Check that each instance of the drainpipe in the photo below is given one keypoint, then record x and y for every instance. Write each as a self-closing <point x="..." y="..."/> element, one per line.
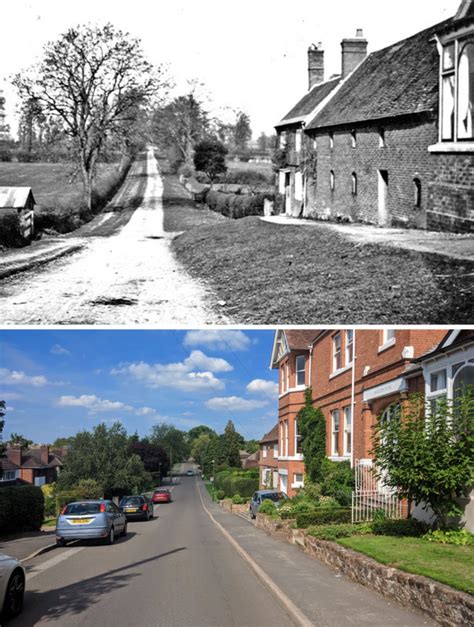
<point x="310" y="364"/>
<point x="353" y="396"/>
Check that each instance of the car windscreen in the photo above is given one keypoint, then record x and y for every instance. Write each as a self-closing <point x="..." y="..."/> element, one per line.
<point x="132" y="500"/>
<point x="78" y="509"/>
<point x="164" y="491"/>
<point x="273" y="496"/>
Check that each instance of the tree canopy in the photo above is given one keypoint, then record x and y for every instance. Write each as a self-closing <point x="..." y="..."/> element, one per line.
<point x="209" y="157"/>
<point x="172" y="440"/>
<point x="16" y="439"/>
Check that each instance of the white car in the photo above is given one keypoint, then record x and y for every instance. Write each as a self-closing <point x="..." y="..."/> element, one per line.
<point x="12" y="586"/>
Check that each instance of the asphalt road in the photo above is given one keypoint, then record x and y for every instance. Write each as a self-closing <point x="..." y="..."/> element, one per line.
<point x="122" y="273"/>
<point x="176" y="570"/>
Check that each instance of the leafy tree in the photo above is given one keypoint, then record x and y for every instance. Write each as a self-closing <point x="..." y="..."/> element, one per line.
<point x="89" y="489"/>
<point x="209" y="157"/>
<point x="2" y="426"/>
<point x="154" y="456"/>
<point x="426" y="453"/>
<point x="242" y="131"/>
<point x="172" y="440"/>
<point x="103" y="455"/>
<point x="91" y="82"/>
<point x="19" y="440"/>
<point x="199" y="445"/>
<point x="195" y="432"/>
<point x="312" y="429"/>
<point x="233" y="443"/>
<point x="60" y="442"/>
<point x="251" y="446"/>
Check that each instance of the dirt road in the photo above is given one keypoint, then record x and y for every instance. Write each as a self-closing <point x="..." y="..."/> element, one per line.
<point x="124" y="274"/>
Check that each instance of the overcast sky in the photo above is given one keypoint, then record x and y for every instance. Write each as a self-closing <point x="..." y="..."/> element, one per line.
<point x="251" y="54"/>
<point x="56" y="383"/>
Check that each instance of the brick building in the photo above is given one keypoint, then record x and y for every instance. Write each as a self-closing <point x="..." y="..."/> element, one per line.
<point x="380" y="148"/>
<point x="35" y="466"/>
<point x="268" y="459"/>
<point x="355" y="376"/>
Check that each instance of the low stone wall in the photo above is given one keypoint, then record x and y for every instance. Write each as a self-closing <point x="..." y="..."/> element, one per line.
<point x="228" y="506"/>
<point x="444" y="604"/>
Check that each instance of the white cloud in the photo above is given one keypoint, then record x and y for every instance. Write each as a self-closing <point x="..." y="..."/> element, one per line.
<point x="10" y="396"/>
<point x="185" y="376"/>
<point x="57" y="349"/>
<point x="234" y="403"/>
<point x="264" y="387"/>
<point x="145" y="411"/>
<point x="15" y="377"/>
<point x="93" y="403"/>
<point x="220" y="340"/>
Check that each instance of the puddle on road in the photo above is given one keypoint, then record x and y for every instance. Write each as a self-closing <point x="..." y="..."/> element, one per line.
<point x="115" y="302"/>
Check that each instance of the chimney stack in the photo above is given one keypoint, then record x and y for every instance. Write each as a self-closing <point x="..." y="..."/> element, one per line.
<point x="14" y="455"/>
<point x="354" y="52"/>
<point x="315" y="65"/>
<point x="44" y="454"/>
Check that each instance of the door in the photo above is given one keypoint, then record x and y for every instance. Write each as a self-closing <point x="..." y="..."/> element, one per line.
<point x="382" y="197"/>
<point x="288" y="192"/>
<point x="275" y="479"/>
<point x="284" y="483"/>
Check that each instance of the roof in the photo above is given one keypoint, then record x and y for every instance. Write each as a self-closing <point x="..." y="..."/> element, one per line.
<point x="271" y="436"/>
<point x="32" y="459"/>
<point x="7" y="464"/>
<point x="453" y="340"/>
<point x="401" y="79"/>
<point x="300" y="339"/>
<point x="309" y="102"/>
<point x="14" y="197"/>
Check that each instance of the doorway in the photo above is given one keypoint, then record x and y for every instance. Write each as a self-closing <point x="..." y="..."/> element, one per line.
<point x="382" y="197"/>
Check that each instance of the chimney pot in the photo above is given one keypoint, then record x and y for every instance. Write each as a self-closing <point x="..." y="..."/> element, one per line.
<point x="359" y="32"/>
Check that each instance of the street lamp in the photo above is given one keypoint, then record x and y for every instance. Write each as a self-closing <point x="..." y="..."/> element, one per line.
<point x="214" y="473"/>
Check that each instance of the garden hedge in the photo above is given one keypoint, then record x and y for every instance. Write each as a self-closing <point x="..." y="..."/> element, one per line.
<point x="323" y="516"/>
<point x="237" y="482"/>
<point x="235" y="205"/>
<point x="21" y="508"/>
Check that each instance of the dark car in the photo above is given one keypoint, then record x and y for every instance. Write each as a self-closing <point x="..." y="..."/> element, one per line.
<point x="161" y="495"/>
<point x="138" y="506"/>
<point x="257" y="499"/>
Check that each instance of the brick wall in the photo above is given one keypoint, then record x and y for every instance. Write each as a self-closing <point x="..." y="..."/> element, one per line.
<point x="405" y="157"/>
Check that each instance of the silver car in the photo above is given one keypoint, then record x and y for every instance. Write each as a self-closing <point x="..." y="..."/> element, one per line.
<point x="90" y="520"/>
<point x="12" y="587"/>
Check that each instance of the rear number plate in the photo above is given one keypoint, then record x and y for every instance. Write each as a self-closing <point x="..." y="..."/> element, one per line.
<point x="81" y="521"/>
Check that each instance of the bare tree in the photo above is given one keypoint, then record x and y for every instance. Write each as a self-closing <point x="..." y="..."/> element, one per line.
<point x="92" y="82"/>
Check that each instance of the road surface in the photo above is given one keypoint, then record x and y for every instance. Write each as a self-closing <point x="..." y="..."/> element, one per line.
<point x="179" y="570"/>
<point x="124" y="273"/>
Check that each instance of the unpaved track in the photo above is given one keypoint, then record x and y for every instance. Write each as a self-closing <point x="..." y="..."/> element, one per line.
<point x="130" y="277"/>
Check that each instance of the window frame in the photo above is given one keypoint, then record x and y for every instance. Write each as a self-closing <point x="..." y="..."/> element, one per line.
<point x="335" y="414"/>
<point x="298" y="371"/>
<point x="347" y="450"/>
<point x="349" y="347"/>
<point x="337" y="352"/>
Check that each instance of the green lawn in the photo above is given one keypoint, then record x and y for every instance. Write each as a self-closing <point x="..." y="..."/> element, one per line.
<point x="265" y="168"/>
<point x="449" y="564"/>
<point x="272" y="274"/>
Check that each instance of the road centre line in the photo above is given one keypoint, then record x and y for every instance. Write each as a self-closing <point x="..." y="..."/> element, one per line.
<point x="294" y="612"/>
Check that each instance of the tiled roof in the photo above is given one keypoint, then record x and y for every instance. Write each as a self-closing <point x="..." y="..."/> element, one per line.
<point x="299" y="340"/>
<point x="32" y="459"/>
<point x="310" y="101"/>
<point x="14" y="197"/>
<point x="6" y="464"/>
<point x="466" y="336"/>
<point x="398" y="80"/>
<point x="271" y="436"/>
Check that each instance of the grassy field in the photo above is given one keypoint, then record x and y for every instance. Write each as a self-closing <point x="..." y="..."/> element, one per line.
<point x="53" y="184"/>
<point x="449" y="564"/>
<point x="265" y="168"/>
<point x="269" y="274"/>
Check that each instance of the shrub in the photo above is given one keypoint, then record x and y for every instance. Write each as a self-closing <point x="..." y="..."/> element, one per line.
<point x="9" y="231"/>
<point x="249" y="177"/>
<point x="21" y="508"/>
<point x="245" y="486"/>
<point x="237" y="499"/>
<point x="397" y="527"/>
<point x="328" y="501"/>
<point x="267" y="507"/>
<point x="322" y="516"/>
<point x="234" y="205"/>
<point x="290" y="510"/>
<point x="5" y="155"/>
<point x="220" y="494"/>
<point x="64" y="497"/>
<point x="48" y="490"/>
<point x="337" y="481"/>
<point x="186" y="170"/>
<point x="461" y="537"/>
<point x="333" y="532"/>
<point x="89" y="489"/>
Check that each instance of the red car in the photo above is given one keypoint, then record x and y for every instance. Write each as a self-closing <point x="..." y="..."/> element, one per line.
<point x="161" y="495"/>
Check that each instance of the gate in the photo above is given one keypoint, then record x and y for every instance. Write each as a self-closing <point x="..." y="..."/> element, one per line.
<point x="371" y="494"/>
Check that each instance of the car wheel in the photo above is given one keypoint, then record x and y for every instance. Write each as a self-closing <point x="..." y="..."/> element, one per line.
<point x="124" y="530"/>
<point x="111" y="537"/>
<point x="61" y="542"/>
<point x="14" y="595"/>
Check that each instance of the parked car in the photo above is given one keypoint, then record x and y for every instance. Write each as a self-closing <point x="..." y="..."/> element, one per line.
<point x="90" y="520"/>
<point x="138" y="506"/>
<point x="161" y="495"/>
<point x="190" y="473"/>
<point x="257" y="499"/>
<point x="12" y="587"/>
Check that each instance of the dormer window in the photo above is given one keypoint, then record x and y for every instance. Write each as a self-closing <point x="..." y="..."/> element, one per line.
<point x="457" y="90"/>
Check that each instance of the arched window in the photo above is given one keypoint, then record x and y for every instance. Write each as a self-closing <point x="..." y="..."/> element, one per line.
<point x="354" y="183"/>
<point x="464" y="377"/>
<point x="417" y="192"/>
<point x="332" y="180"/>
<point x="466" y="92"/>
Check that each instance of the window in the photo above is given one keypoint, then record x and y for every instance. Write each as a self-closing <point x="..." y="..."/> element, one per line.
<point x="286" y="438"/>
<point x="282" y="381"/>
<point x="381" y="137"/>
<point x="283" y="140"/>
<point x="438" y="381"/>
<point x="336" y="352"/>
<point x="332" y="180"/>
<point x="335" y="432"/>
<point x="457" y="91"/>
<point x="298" y="450"/>
<point x="8" y="475"/>
<point x="282" y="439"/>
<point x="315" y="143"/>
<point x="298" y="477"/>
<point x="353" y="139"/>
<point x="298" y="186"/>
<point x="417" y="193"/>
<point x="331" y="140"/>
<point x="349" y="346"/>
<point x="300" y="370"/>
<point x="347" y="430"/>
<point x="264" y="450"/>
<point x="388" y="339"/>
<point x="275" y="450"/>
<point x="298" y="141"/>
<point x="354" y="183"/>
<point x="287" y="367"/>
<point x="463" y="378"/>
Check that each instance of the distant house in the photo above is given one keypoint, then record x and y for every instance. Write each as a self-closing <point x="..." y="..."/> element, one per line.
<point x="19" y="203"/>
<point x="35" y="466"/>
<point x="268" y="459"/>
<point x="393" y="142"/>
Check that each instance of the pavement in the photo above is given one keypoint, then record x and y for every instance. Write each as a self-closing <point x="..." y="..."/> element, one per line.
<point x="24" y="545"/>
<point x="194" y="565"/>
<point x="453" y="245"/>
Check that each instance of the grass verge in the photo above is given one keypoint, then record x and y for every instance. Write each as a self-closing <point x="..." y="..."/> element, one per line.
<point x="268" y="274"/>
<point x="449" y="564"/>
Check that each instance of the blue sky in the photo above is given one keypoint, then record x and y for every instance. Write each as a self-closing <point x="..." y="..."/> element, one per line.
<point x="58" y="382"/>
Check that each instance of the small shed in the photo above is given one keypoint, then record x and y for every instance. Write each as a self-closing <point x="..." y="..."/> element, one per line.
<point x="19" y="202"/>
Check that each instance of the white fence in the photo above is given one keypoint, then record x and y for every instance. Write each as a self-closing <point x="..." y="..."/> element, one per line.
<point x="371" y="494"/>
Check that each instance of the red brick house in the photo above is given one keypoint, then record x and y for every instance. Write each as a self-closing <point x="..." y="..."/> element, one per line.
<point x="393" y="142"/>
<point x="35" y="466"/>
<point x="268" y="459"/>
